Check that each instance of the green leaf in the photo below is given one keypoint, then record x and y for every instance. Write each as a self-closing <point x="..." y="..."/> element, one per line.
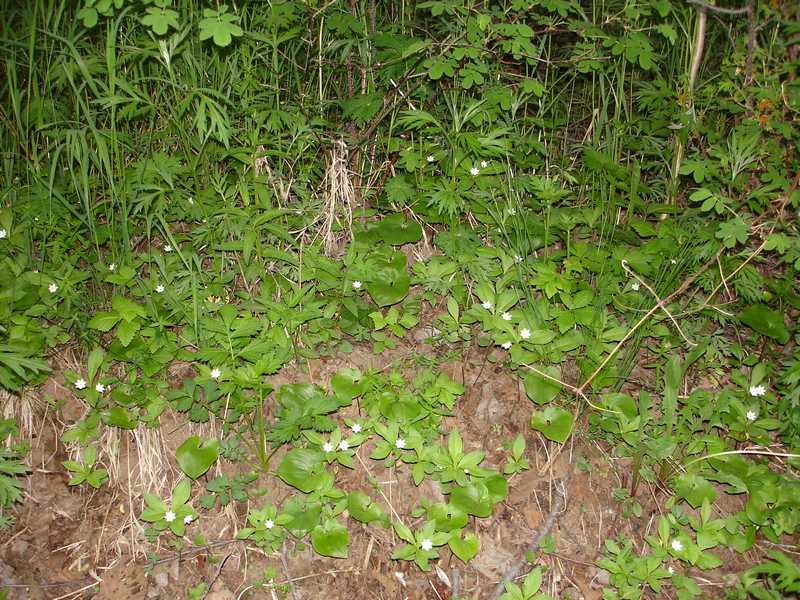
<point x="553" y="422"/>
<point x="403" y="532"/>
<point x="95" y="361"/>
<point x="331" y="539"/>
<point x="126" y="331"/>
<point x="362" y="508"/>
<point x="159" y="20"/>
<point x="301" y="468"/>
<point x="472" y="499"/>
<point x="465" y="548"/>
<point x="127" y="309"/>
<point x="181" y="492"/>
<point x="104" y="321"/>
<point x="541" y="389"/>
<point x="195" y="456"/>
<point x="220" y="25"/>
<point x="694" y="489"/>
<point x="389" y="282"/>
<point x="766" y="322"/>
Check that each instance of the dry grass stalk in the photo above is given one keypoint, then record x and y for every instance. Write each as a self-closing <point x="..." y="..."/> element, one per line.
<point x="339" y="201"/>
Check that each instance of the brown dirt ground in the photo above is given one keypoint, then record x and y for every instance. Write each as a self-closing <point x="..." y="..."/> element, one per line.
<point x="71" y="543"/>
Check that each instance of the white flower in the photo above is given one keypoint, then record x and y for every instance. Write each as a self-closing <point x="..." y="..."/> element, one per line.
<point x="484" y="164"/>
<point x="671" y="570"/>
<point x="167" y="248"/>
<point x="525" y="333"/>
<point x="3" y="234"/>
<point x="169" y="517"/>
<point x="215" y="373"/>
<point x="343" y="445"/>
<point x="506" y="345"/>
<point x="677" y="545"/>
<point x="191" y="201"/>
<point x="112" y="267"/>
<point x="52" y="288"/>
<point x="506" y="316"/>
<point x="757" y="390"/>
<point x="635" y="286"/>
<point x="356" y="427"/>
<point x="400" y="443"/>
<point x="160" y="289"/>
<point x="672" y="261"/>
<point x="430" y="158"/>
<point x="269" y="524"/>
<point x="187" y="519"/>
<point x="426" y="544"/>
<point x="327" y="446"/>
<point x="751" y="415"/>
<point x="80" y="384"/>
<point x="474" y="171"/>
<point x="512" y="211"/>
<point x="517" y="258"/>
<point x="100" y="388"/>
<point x="356" y="285"/>
<point x="487" y="305"/>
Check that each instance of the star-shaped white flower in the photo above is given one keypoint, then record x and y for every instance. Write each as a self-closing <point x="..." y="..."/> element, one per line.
<point x="112" y="267"/>
<point x="167" y="248"/>
<point x="484" y="164"/>
<point x="80" y="384"/>
<point x="215" y="373"/>
<point x="356" y="427"/>
<point x="159" y="289"/>
<point x="52" y="288"/>
<point x="474" y="171"/>
<point x="512" y="211"/>
<point x="343" y="446"/>
<point x="506" y="316"/>
<point x="487" y="305"/>
<point x="525" y="333"/>
<point x="517" y="258"/>
<point x="269" y="524"/>
<point x="356" y="285"/>
<point x="3" y="234"/>
<point x="751" y="415"/>
<point x="191" y="201"/>
<point x="400" y="443"/>
<point x="635" y="286"/>
<point x="431" y="158"/>
<point x="672" y="261"/>
<point x="506" y="345"/>
<point x="327" y="446"/>
<point x="671" y="570"/>
<point x="426" y="544"/>
<point x="677" y="545"/>
<point x="757" y="390"/>
<point x="187" y="519"/>
<point x="100" y="388"/>
<point x="169" y="517"/>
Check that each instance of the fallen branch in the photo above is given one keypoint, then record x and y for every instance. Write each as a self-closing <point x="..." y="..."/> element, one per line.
<point x="544" y="529"/>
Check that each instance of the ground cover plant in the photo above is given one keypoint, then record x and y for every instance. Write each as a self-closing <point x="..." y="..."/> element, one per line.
<point x="442" y="299"/>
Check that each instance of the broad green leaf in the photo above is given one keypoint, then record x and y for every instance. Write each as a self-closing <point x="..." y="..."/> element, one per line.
<point x="553" y="422"/>
<point x="127" y="309"/>
<point x="104" y="321"/>
<point x="541" y="389"/>
<point x="362" y="508"/>
<point x="766" y="322"/>
<point x="331" y="539"/>
<point x="465" y="548"/>
<point x="694" y="489"/>
<point x="196" y="456"/>
<point x="301" y="468"/>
